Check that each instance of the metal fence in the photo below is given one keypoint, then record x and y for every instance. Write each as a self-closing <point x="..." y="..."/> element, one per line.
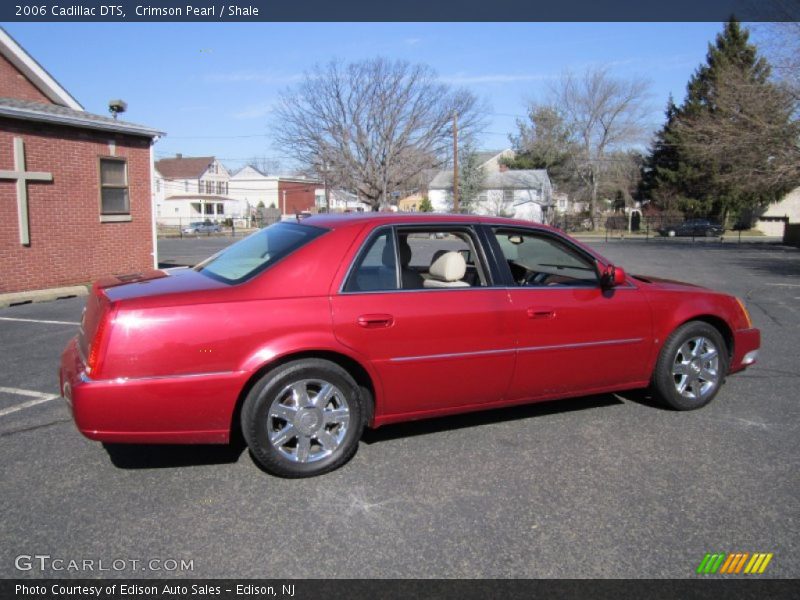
<point x="217" y="225"/>
<point x="635" y="224"/>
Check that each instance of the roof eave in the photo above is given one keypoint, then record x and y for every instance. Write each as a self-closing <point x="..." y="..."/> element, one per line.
<point x="27" y="115"/>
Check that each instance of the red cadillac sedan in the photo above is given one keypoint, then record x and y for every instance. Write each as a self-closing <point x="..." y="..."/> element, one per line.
<point x="303" y="333"/>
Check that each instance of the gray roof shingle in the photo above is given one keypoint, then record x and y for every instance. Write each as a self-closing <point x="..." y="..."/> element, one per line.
<point x="524" y="179"/>
<point x="28" y="110"/>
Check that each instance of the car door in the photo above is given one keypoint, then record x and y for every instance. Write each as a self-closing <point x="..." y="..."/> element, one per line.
<point x="434" y="349"/>
<point x="574" y="336"/>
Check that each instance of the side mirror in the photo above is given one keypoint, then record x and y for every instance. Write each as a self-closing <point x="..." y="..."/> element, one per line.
<point x="612" y="276"/>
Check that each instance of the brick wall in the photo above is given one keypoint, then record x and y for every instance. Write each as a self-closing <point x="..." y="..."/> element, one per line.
<point x="69" y="244"/>
<point x="299" y="196"/>
<point x="14" y="84"/>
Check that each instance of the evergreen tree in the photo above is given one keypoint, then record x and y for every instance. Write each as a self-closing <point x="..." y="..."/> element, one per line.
<point x="732" y="144"/>
<point x="471" y="177"/>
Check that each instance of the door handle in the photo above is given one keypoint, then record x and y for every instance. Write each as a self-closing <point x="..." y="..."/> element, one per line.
<point x="375" y="321"/>
<point x="535" y="312"/>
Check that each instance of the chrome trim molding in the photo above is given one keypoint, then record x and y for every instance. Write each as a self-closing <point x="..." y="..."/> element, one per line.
<point x="582" y="345"/>
<point x="86" y="379"/>
<point x="402" y="359"/>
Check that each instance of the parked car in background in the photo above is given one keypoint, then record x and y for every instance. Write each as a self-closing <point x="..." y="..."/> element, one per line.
<point x="304" y="333"/>
<point x="693" y="228"/>
<point x="202" y="227"/>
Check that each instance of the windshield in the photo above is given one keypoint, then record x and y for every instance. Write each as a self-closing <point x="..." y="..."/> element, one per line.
<point x="247" y="258"/>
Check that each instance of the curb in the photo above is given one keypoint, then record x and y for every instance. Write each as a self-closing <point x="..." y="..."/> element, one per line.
<point x="47" y="295"/>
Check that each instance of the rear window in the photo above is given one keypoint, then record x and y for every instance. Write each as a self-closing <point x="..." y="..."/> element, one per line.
<point x="249" y="257"/>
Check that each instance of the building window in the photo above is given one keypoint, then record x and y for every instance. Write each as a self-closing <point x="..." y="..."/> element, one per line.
<point x="508" y="195"/>
<point x="114" y="187"/>
<point x="220" y="209"/>
<point x="186" y="186"/>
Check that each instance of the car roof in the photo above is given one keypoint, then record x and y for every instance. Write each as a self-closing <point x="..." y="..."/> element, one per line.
<point x="339" y="221"/>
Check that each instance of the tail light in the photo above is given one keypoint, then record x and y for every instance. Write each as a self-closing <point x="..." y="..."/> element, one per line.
<point x="100" y="335"/>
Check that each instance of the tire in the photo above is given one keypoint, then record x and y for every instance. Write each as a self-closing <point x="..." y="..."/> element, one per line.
<point x="303" y="419"/>
<point x="691" y="367"/>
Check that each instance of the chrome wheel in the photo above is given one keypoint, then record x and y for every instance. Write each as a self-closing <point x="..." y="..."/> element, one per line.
<point x="308" y="420"/>
<point x="695" y="370"/>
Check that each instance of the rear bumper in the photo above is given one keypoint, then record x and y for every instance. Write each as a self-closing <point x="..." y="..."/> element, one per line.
<point x="746" y="343"/>
<point x="183" y="409"/>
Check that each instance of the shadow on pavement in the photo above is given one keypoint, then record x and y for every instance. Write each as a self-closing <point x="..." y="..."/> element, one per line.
<point x="498" y="415"/>
<point x="164" y="456"/>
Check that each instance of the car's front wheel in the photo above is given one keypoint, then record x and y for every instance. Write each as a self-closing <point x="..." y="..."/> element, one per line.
<point x="691" y="367"/>
<point x="303" y="419"/>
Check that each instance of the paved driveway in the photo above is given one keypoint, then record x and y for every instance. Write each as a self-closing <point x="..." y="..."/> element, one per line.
<point x="604" y="486"/>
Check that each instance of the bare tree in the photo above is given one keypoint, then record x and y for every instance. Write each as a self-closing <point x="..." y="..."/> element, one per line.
<point x="264" y="164"/>
<point x="372" y="125"/>
<point x="604" y="114"/>
<point x="782" y="48"/>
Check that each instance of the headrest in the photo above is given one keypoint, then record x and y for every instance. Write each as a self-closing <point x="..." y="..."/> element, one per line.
<point x="405" y="254"/>
<point x="449" y="267"/>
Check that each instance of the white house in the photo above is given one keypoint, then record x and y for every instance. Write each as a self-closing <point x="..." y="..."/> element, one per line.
<point x="191" y="189"/>
<point x="288" y="193"/>
<point x="522" y="194"/>
<point x="250" y="187"/>
<point x="340" y="201"/>
<point x="787" y="210"/>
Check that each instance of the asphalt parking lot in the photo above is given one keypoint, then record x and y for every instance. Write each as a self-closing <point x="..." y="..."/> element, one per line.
<point x="604" y="486"/>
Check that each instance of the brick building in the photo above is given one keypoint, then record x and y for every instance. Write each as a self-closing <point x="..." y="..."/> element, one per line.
<point x="75" y="188"/>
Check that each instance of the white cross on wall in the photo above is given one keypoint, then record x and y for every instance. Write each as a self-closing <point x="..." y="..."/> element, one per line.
<point x="23" y="177"/>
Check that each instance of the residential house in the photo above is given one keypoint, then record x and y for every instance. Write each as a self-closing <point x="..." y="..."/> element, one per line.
<point x="772" y="221"/>
<point x="192" y="188"/>
<point x="291" y="194"/>
<point x="75" y="187"/>
<point x="339" y="201"/>
<point x="522" y="194"/>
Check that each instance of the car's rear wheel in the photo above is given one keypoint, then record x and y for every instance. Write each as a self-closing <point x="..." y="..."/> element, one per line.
<point x="303" y="419"/>
<point x="691" y="367"/>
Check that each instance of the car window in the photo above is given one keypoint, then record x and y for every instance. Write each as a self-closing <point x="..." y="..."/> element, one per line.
<point x="376" y="266"/>
<point x="243" y="260"/>
<point x="538" y="260"/>
<point x="429" y="258"/>
<point x="427" y="246"/>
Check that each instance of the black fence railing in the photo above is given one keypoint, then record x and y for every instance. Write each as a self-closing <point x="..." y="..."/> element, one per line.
<point x="636" y="224"/>
<point x="216" y="225"/>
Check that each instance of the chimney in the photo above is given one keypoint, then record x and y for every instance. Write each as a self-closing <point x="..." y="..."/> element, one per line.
<point x="178" y="155"/>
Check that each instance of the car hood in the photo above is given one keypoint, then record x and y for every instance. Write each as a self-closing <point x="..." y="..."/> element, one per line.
<point x="156" y="283"/>
<point x="667" y="284"/>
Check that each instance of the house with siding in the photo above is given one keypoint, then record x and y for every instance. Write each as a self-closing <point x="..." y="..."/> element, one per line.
<point x="75" y="187"/>
<point x="522" y="194"/>
<point x="192" y="188"/>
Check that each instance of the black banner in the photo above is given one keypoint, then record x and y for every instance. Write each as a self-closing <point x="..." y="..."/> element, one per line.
<point x="405" y="10"/>
<point x="344" y="589"/>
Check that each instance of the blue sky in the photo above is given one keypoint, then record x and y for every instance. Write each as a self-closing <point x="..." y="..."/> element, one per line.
<point x="206" y="84"/>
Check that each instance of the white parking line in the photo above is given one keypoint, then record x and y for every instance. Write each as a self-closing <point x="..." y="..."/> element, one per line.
<point x="784" y="284"/>
<point x="38" y="398"/>
<point x="40" y="321"/>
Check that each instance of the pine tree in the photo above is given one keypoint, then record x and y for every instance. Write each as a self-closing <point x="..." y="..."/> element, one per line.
<point x="732" y="143"/>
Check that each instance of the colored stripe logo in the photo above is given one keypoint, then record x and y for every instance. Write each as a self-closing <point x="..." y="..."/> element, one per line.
<point x="734" y="563"/>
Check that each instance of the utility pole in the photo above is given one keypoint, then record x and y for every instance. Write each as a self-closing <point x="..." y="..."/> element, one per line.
<point x="327" y="191"/>
<point x="455" y="161"/>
